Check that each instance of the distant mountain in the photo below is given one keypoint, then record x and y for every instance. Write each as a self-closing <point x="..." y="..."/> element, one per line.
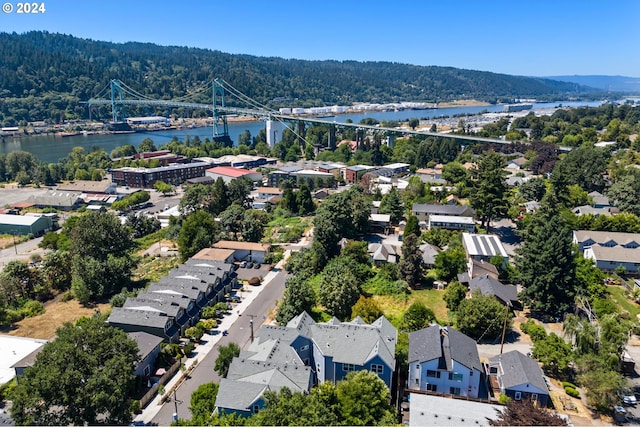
<point x="608" y="83"/>
<point x="44" y="76"/>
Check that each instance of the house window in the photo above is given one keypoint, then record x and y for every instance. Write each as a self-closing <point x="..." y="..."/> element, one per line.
<point x="432" y="387"/>
<point x="378" y="369"/>
<point x="347" y="367"/>
<point x="147" y="371"/>
<point x="534" y="397"/>
<point x="256" y="408"/>
<point x="470" y="373"/>
<point x="433" y="374"/>
<point x="455" y="376"/>
<point x="454" y="390"/>
<point x="518" y="395"/>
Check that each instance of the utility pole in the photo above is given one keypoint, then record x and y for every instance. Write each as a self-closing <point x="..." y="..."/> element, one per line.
<point x="251" y="316"/>
<point x="14" y="242"/>
<point x="175" y="403"/>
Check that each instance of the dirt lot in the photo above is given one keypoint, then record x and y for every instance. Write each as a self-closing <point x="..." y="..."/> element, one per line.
<point x="56" y="314"/>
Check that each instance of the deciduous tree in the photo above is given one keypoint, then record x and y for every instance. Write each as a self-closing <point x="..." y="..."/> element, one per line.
<point x="226" y="353"/>
<point x="82" y="377"/>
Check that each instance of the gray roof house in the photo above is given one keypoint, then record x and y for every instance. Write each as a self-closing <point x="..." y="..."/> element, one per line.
<point x="429" y="253"/>
<point x="518" y="376"/>
<point x="599" y="199"/>
<point x="175" y="311"/>
<point x="424" y="210"/>
<point x="148" y="350"/>
<point x="488" y="285"/>
<point x="194" y="289"/>
<point x="196" y="295"/>
<point x="588" y="238"/>
<point x="304" y="353"/>
<point x="444" y="360"/>
<point x="382" y="253"/>
<point x="191" y="309"/>
<point x="152" y="322"/>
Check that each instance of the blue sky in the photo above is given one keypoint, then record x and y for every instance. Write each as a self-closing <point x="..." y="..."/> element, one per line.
<point x="522" y="37"/>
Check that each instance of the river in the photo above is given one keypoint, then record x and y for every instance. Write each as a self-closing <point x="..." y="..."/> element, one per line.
<point x="50" y="149"/>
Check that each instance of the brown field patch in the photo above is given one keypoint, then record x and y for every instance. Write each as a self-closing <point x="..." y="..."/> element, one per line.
<point x="56" y="314"/>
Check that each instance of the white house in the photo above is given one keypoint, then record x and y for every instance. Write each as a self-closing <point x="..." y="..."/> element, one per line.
<point x="443" y="360"/>
<point x="610" y="258"/>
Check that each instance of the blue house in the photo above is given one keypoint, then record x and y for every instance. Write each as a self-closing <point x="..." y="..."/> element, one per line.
<point x="304" y="353"/>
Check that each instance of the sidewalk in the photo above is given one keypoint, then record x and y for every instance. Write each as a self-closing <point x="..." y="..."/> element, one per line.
<point x="152" y="409"/>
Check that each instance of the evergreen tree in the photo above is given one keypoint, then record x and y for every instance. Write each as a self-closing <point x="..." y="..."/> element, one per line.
<point x="547" y="265"/>
<point x="298" y="297"/>
<point x="412" y="227"/>
<point x="304" y="200"/>
<point x="410" y="266"/>
<point x="392" y="205"/>
<point x="488" y="197"/>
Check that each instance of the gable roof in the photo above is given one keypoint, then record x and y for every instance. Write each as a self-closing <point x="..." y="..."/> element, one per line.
<point x="250" y="246"/>
<point x="429" y="253"/>
<point x="272" y="375"/>
<point x="436" y="209"/>
<point x="238" y="395"/>
<point x="615" y="254"/>
<point x="487" y="245"/>
<point x="604" y="236"/>
<point x="146" y="342"/>
<point x="445" y="344"/>
<point x="518" y="369"/>
<point x="490" y="286"/>
<point x="356" y="343"/>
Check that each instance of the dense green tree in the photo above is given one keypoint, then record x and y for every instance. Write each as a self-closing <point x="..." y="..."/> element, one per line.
<point x="146" y="146"/>
<point x="304" y="201"/>
<point x="253" y="225"/>
<point x="163" y="187"/>
<point x="367" y="309"/>
<point x="18" y="282"/>
<point x="84" y="376"/>
<point x="392" y="205"/>
<point x="231" y="221"/>
<point x="197" y="232"/>
<point x="141" y="225"/>
<point x="488" y="195"/>
<point x="364" y="400"/>
<point x="289" y="201"/>
<point x="555" y="354"/>
<point x="238" y="191"/>
<point x="584" y="166"/>
<point x="625" y="194"/>
<point x="455" y="173"/>
<point x="481" y="316"/>
<point x="203" y="403"/>
<point x="410" y="265"/>
<point x="417" y="317"/>
<point x="546" y="265"/>
<point x="412" y="227"/>
<point x="455" y="293"/>
<point x="339" y="288"/>
<point x="56" y="270"/>
<point x="226" y="353"/>
<point x="450" y="262"/>
<point x="533" y="189"/>
<point x="298" y="296"/>
<point x="603" y="387"/>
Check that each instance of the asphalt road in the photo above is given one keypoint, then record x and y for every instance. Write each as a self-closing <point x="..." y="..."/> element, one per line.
<point x="239" y="332"/>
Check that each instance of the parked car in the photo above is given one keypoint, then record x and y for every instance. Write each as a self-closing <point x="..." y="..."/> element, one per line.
<point x="256" y="265"/>
<point x="243" y="264"/>
<point x="629" y="399"/>
<point x="250" y="264"/>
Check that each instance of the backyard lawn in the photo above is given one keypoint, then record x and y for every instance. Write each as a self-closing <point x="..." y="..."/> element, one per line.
<point x="618" y="296"/>
<point x="394" y="307"/>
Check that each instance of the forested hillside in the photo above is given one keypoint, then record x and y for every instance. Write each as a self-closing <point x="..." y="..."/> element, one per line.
<point x="44" y="75"/>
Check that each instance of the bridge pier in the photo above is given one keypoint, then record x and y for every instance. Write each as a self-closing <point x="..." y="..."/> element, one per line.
<point x="301" y="133"/>
<point x="331" y="138"/>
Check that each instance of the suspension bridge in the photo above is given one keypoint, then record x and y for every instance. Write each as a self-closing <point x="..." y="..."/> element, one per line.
<point x="118" y="95"/>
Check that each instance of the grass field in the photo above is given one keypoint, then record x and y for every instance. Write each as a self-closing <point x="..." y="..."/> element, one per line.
<point x="618" y="296"/>
<point x="394" y="307"/>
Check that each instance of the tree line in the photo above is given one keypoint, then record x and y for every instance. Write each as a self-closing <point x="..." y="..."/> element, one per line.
<point x="44" y="75"/>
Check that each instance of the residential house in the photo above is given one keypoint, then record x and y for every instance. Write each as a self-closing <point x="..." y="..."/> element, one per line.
<point x="186" y="290"/>
<point x="424" y="210"/>
<point x="590" y="210"/>
<point x="429" y="254"/>
<point x="488" y="285"/>
<point x="483" y="247"/>
<point x="380" y="223"/>
<point x="449" y="222"/>
<point x="212" y="254"/>
<point x="353" y="174"/>
<point x="599" y="200"/>
<point x="148" y="351"/>
<point x="153" y="322"/>
<point x="444" y="360"/>
<point x="587" y="238"/>
<point x="517" y="163"/>
<point x="382" y="253"/>
<point x="188" y="305"/>
<point x="304" y="353"/>
<point x="429" y="410"/>
<point x="611" y="258"/>
<point x="249" y="251"/>
<point x="531" y="206"/>
<point x="519" y="377"/>
<point x="171" y="310"/>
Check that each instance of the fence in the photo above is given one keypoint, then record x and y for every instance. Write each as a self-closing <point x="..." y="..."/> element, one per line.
<point x="148" y="396"/>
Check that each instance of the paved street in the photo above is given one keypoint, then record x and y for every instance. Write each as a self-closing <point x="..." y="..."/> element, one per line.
<point x="258" y="302"/>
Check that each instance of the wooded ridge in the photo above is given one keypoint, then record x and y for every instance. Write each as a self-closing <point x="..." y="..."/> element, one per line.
<point x="43" y="74"/>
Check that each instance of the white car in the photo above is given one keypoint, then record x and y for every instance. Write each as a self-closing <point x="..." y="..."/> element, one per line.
<point x="629" y="399"/>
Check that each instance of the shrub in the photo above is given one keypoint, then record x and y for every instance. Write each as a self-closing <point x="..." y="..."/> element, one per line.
<point x="572" y="392"/>
<point x="32" y="308"/>
<point x="208" y="313"/>
<point x="535" y="331"/>
<point x="135" y="407"/>
<point x="566" y="384"/>
<point x="194" y="333"/>
<point x="118" y="300"/>
<point x="188" y="348"/>
<point x="67" y="297"/>
<point x="504" y="399"/>
<point x="207" y="324"/>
